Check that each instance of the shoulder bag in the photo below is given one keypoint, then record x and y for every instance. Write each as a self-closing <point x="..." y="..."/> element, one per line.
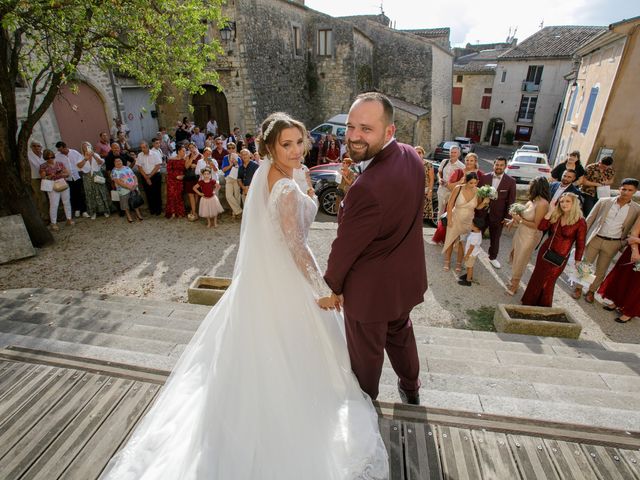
<point x="60" y="185"/>
<point x="552" y="257"/>
<point x="135" y="199"/>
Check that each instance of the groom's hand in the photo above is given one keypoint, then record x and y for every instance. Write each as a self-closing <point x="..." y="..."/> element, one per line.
<point x="326" y="303"/>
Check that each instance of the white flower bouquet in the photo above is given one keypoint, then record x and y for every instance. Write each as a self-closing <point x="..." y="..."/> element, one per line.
<point x="583" y="275"/>
<point x="487" y="191"/>
<point x="517" y="209"/>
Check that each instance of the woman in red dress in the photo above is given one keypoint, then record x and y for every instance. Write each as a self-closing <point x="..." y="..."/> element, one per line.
<point x="622" y="285"/>
<point x="566" y="226"/>
<point x="175" y="174"/>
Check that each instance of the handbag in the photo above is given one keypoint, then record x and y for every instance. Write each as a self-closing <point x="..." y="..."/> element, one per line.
<point x="60" y="185"/>
<point x="115" y="196"/>
<point x="46" y="185"/>
<point x="135" y="199"/>
<point x="190" y="175"/>
<point x="552" y="257"/>
<point x="99" y="179"/>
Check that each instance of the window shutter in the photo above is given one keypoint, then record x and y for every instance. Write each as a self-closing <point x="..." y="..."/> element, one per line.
<point x="589" y="110"/>
<point x="456" y="97"/>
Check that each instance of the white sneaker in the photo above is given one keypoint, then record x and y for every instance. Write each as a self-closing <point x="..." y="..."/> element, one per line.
<point x="77" y="214"/>
<point x="85" y="214"/>
<point x="106" y="215"/>
<point x="93" y="217"/>
<point x="495" y="263"/>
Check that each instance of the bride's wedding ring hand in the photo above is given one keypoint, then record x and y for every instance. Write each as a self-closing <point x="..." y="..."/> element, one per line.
<point x="327" y="303"/>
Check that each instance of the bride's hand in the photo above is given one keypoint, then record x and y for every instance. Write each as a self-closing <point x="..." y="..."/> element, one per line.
<point x="333" y="302"/>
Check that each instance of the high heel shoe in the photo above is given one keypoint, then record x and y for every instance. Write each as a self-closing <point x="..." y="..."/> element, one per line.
<point x="458" y="268"/>
<point x="447" y="266"/>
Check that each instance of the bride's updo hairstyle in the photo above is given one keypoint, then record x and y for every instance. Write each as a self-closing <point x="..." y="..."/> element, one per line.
<point x="271" y="129"/>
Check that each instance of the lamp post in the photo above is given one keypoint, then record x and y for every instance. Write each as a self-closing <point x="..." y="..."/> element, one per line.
<point x="228" y="31"/>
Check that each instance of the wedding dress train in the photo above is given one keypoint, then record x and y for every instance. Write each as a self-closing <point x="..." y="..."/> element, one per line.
<point x="264" y="390"/>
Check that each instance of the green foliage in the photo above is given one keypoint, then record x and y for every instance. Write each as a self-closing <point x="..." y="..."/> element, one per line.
<point x="508" y="137"/>
<point x="481" y="319"/>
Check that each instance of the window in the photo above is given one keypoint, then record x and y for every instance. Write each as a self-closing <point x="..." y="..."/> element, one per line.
<point x="297" y="41"/>
<point x="504" y="76"/>
<point x="527" y="108"/>
<point x="325" y="43"/>
<point x="459" y="78"/>
<point x="523" y="133"/>
<point x="485" y="103"/>
<point x="488" y="91"/>
<point x="534" y="74"/>
<point x="456" y="97"/>
<point x="589" y="110"/>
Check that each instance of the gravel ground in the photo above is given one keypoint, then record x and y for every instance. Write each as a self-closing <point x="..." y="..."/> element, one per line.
<point x="159" y="258"/>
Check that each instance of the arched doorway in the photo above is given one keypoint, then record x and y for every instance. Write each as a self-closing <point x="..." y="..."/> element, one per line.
<point x="80" y="114"/>
<point x="211" y="104"/>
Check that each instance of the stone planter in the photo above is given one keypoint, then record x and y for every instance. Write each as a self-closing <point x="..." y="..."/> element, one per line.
<point x="207" y="290"/>
<point x="541" y="321"/>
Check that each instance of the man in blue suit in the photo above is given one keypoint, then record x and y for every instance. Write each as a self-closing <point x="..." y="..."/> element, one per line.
<point x="564" y="185"/>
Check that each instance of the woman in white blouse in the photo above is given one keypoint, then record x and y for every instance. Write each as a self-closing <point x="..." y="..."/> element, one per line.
<point x="93" y="181"/>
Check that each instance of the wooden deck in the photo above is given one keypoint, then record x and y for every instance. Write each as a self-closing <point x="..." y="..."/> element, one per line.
<point x="63" y="417"/>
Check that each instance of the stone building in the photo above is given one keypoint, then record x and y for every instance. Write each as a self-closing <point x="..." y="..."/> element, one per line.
<point x="282" y="55"/>
<point x="529" y="83"/>
<point x="601" y="109"/>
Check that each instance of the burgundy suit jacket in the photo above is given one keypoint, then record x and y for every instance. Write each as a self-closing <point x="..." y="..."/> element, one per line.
<point x="377" y="260"/>
<point x="499" y="208"/>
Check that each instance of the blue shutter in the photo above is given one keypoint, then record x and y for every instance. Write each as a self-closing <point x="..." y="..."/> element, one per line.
<point x="572" y="103"/>
<point x="589" y="110"/>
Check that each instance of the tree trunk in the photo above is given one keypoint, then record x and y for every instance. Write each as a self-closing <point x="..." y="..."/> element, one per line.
<point x="17" y="200"/>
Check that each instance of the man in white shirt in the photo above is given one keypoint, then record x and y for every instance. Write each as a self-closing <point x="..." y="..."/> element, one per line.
<point x="35" y="160"/>
<point x="156" y="148"/>
<point x="608" y="225"/>
<point x="198" y="138"/>
<point x="149" y="164"/>
<point x="212" y="127"/>
<point x="70" y="159"/>
<point x="447" y="167"/>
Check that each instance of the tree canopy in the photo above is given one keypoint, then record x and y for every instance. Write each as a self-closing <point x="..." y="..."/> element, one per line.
<point x="158" y="43"/>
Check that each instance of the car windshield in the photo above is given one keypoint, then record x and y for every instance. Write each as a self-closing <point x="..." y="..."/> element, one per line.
<point x="463" y="142"/>
<point x="450" y="144"/>
<point x="530" y="159"/>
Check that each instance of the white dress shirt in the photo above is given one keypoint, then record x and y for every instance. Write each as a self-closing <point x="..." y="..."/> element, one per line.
<point x="34" y="162"/>
<point x="612" y="226"/>
<point x="559" y="192"/>
<point x="202" y="164"/>
<point x="70" y="161"/>
<point x="91" y="166"/>
<point x="496" y="181"/>
<point x="148" y="162"/>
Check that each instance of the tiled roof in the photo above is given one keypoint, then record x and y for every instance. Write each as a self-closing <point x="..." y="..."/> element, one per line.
<point x="475" y="67"/>
<point x="431" y="32"/>
<point x="553" y="42"/>
<point x="411" y="108"/>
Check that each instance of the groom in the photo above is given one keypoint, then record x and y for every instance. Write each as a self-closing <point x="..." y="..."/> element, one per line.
<point x="376" y="267"/>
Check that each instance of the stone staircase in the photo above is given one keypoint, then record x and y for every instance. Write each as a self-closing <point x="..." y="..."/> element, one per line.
<point x="567" y="381"/>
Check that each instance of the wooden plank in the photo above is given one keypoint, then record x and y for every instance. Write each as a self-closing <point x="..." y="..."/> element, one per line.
<point x="10" y="372"/>
<point x="67" y="446"/>
<point x="458" y="455"/>
<point x="32" y="445"/>
<point x="391" y="433"/>
<point x="25" y="387"/>
<point x="570" y="461"/>
<point x="607" y="463"/>
<point x="532" y="457"/>
<point x="632" y="457"/>
<point x="107" y="439"/>
<point x="422" y="461"/>
<point x="29" y="413"/>
<point x="496" y="459"/>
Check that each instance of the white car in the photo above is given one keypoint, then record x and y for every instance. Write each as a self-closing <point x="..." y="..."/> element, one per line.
<point x="525" y="166"/>
<point x="529" y="148"/>
<point x="466" y="145"/>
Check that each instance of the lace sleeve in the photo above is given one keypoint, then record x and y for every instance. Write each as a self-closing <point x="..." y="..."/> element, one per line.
<point x="290" y="212"/>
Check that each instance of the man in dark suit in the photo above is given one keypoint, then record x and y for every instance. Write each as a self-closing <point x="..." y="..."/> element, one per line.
<point x="376" y="267"/>
<point x="498" y="212"/>
<point x="565" y="185"/>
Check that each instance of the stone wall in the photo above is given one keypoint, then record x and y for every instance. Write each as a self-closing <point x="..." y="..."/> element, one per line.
<point x="441" y="98"/>
<point x="473" y="86"/>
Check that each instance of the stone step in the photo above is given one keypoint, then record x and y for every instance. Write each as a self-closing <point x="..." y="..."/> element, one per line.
<point x="91" y="318"/>
<point x="533" y="374"/>
<point x="471" y="384"/>
<point x="614" y="362"/>
<point x="105" y="354"/>
<point x="122" y="342"/>
<point x="94" y="300"/>
<point x="530" y="409"/>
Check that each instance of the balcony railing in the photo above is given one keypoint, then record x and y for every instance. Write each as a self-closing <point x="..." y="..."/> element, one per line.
<point x="530" y="86"/>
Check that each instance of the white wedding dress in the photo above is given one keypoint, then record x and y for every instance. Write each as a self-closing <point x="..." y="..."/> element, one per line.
<point x="265" y="389"/>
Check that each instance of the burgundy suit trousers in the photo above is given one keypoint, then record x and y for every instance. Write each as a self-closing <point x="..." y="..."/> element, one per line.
<point x="495" y="232"/>
<point x="367" y="342"/>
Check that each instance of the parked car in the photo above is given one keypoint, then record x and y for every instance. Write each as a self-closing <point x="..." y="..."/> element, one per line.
<point x="324" y="179"/>
<point x="466" y="144"/>
<point x="525" y="166"/>
<point x="336" y="126"/>
<point x="529" y="148"/>
<point x="442" y="150"/>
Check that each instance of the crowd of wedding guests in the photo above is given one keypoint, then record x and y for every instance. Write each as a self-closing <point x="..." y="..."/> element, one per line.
<point x="572" y="214"/>
<point x="110" y="176"/>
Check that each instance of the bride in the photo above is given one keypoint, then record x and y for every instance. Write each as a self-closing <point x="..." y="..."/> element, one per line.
<point x="265" y="389"/>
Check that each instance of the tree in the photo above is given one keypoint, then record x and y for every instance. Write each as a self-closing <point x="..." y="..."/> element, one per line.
<point x="159" y="43"/>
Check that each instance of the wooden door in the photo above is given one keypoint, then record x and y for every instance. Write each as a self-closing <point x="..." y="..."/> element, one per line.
<point x="211" y="104"/>
<point x="474" y="130"/>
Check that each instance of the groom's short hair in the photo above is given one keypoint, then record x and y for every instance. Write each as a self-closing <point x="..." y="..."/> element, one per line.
<point x="387" y="106"/>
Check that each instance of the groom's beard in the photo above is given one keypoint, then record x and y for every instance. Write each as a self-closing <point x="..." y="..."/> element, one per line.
<point x="362" y="154"/>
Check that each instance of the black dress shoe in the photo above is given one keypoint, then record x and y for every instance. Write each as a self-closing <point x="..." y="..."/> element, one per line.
<point x="408" y="398"/>
<point x="465" y="282"/>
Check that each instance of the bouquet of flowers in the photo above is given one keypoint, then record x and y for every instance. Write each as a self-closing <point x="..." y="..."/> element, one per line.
<point x="583" y="275"/>
<point x="636" y="267"/>
<point x="517" y="209"/>
<point x="487" y="191"/>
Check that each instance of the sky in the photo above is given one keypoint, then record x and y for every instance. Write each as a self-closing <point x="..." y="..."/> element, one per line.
<point x="488" y="21"/>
